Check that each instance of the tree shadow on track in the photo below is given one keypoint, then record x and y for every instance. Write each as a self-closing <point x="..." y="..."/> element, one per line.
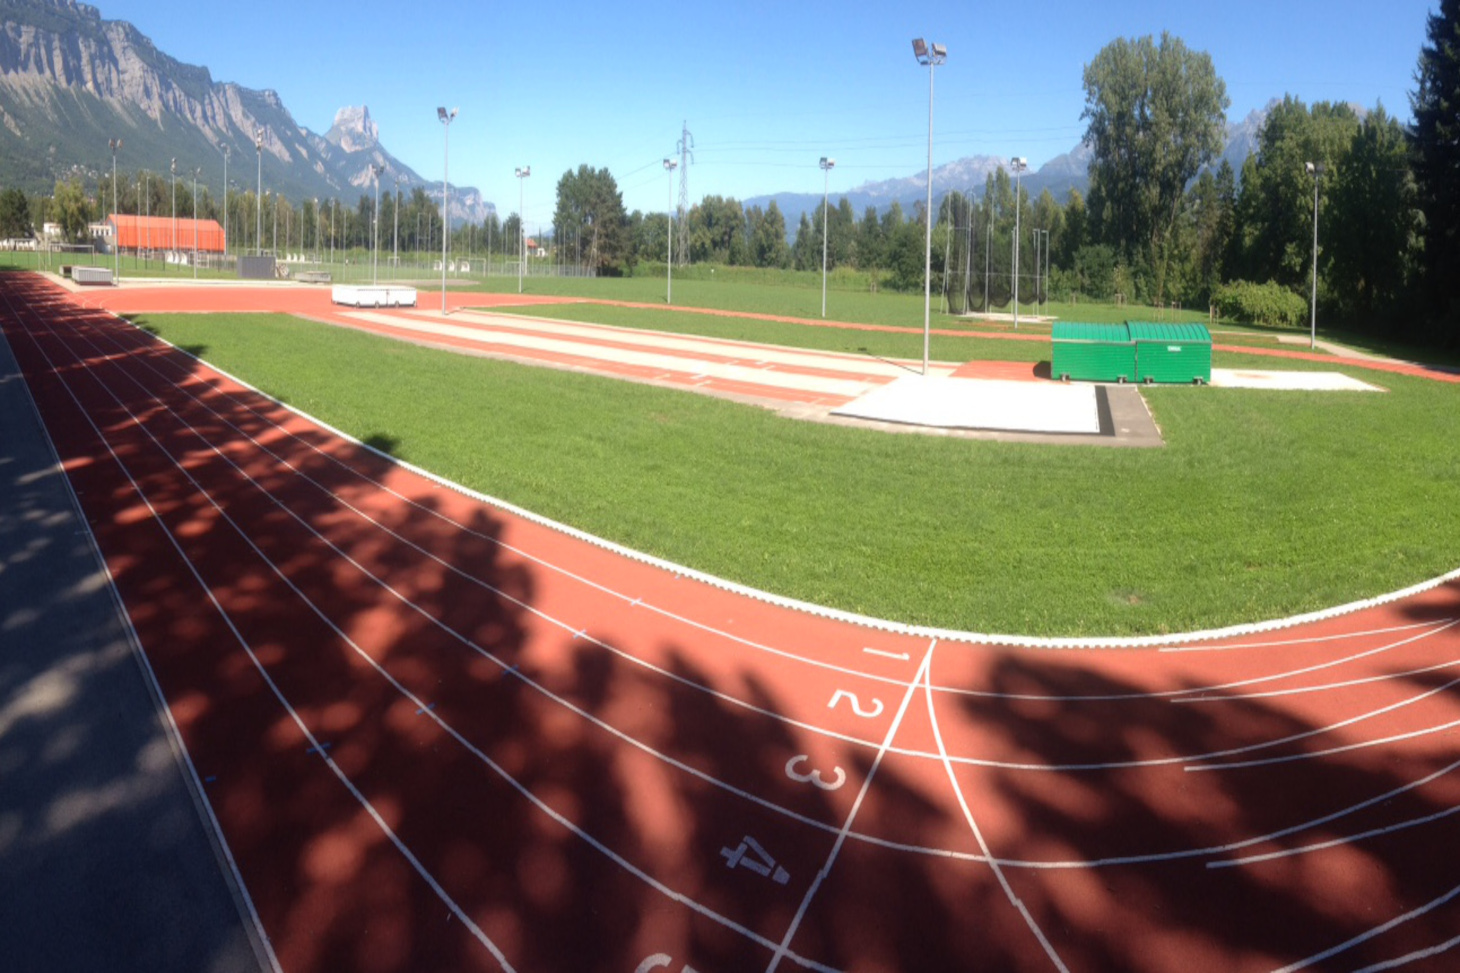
<point x="464" y="766"/>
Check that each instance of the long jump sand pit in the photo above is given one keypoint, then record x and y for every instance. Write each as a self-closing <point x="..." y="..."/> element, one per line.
<point x="995" y="404"/>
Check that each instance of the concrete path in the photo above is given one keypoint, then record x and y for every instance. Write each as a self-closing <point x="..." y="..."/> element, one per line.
<point x="105" y="863"/>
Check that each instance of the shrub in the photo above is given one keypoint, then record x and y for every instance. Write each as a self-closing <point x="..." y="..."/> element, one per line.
<point x="1268" y="304"/>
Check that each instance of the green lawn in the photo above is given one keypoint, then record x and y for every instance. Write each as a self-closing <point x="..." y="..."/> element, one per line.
<point x="1262" y="504"/>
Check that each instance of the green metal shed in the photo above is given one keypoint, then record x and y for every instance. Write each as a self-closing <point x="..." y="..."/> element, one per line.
<point x="1092" y="352"/>
<point x="1172" y="353"/>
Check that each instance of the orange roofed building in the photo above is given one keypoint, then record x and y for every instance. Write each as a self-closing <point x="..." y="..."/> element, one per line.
<point x="156" y="233"/>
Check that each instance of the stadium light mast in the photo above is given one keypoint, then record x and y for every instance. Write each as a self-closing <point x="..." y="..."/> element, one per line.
<point x="669" y="166"/>
<point x="1018" y="164"/>
<point x="258" y="229"/>
<point x="395" y="232"/>
<point x="446" y="119"/>
<point x="197" y="171"/>
<point x="116" y="227"/>
<point x="173" y="241"/>
<point x="826" y="167"/>
<point x="522" y="173"/>
<point x="1315" y="169"/>
<point x="225" y="206"/>
<point x="929" y="55"/>
<point x="375" y="171"/>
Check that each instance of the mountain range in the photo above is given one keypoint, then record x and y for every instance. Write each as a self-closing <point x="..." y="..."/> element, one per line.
<point x="71" y="81"/>
<point x="1059" y="175"/>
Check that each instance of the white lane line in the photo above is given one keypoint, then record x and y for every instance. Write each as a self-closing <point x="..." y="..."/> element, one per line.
<point x="1414" y="957"/>
<point x="421" y="704"/>
<point x="846" y="828"/>
<point x="364" y="802"/>
<point x="983" y="846"/>
<point x="1319" y="731"/>
<point x="1379" y="930"/>
<point x="1330" y="751"/>
<point x="1388" y="829"/>
<point x="1329" y="686"/>
<point x="1311" y="640"/>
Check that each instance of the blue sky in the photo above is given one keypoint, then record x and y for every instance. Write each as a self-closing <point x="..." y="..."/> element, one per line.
<point x="767" y="87"/>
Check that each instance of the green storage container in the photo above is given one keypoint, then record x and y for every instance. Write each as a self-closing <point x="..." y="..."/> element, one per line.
<point x="1173" y="353"/>
<point x="1093" y="352"/>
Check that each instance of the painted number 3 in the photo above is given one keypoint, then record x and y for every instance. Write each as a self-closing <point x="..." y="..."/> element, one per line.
<point x="814" y="777"/>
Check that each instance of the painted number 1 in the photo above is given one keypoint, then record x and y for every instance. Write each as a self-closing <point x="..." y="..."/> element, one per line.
<point x="856" y="704"/>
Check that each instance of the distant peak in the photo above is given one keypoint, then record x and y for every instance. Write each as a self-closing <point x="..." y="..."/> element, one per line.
<point x="354" y="130"/>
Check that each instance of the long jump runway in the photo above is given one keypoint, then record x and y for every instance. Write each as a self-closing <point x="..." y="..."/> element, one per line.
<point x="438" y="735"/>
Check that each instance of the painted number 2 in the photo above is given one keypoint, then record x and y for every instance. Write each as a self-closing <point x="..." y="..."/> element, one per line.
<point x="814" y="777"/>
<point x="856" y="704"/>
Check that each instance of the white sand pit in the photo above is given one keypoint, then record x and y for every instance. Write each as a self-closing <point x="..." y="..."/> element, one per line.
<point x="1247" y="378"/>
<point x="968" y="403"/>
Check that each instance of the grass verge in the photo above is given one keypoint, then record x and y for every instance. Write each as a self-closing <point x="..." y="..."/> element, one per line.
<point x="1263" y="503"/>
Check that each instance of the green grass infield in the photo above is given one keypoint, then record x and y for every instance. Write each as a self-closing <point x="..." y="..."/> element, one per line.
<point x="1261" y="505"/>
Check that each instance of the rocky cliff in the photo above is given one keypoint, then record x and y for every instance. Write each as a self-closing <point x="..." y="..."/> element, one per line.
<point x="70" y="80"/>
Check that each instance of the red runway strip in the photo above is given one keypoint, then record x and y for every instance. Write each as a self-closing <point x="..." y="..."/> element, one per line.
<point x="440" y="736"/>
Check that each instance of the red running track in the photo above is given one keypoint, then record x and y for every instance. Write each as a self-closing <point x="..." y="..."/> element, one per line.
<point x="440" y="736"/>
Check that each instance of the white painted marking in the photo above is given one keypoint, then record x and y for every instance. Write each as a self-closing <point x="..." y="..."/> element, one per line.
<point x="868" y="714"/>
<point x="750" y="854"/>
<point x="814" y="777"/>
<point x="658" y="961"/>
<point x="1337" y="842"/>
<point x="1319" y="754"/>
<point x="1413" y="957"/>
<point x="983" y="846"/>
<point x="784" y="948"/>
<point x="1310" y="640"/>
<point x="899" y="656"/>
<point x="1379" y="930"/>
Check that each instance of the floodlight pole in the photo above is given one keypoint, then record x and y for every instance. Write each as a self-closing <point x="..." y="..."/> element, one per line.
<point x="375" y="171"/>
<point x="988" y="252"/>
<point x="446" y="117"/>
<point x="669" y="166"/>
<point x="197" y="171"/>
<point x="173" y="241"/>
<point x="395" y="232"/>
<point x="258" y="229"/>
<point x="1316" y="171"/>
<point x="225" y="206"/>
<point x="116" y="227"/>
<point x="930" y="55"/>
<point x="522" y="173"/>
<point x="1018" y="164"/>
<point x="826" y="167"/>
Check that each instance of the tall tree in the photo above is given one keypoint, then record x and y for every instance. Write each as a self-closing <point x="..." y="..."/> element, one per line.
<point x="767" y="228"/>
<point x="591" y="210"/>
<point x="1370" y="222"/>
<point x="1435" y="140"/>
<point x="14" y="214"/>
<point x="1157" y="115"/>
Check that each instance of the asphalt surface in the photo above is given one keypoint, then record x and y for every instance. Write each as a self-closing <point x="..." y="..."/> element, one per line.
<point x="105" y="860"/>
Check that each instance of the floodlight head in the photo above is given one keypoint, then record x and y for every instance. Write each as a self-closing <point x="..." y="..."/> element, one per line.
<point x="524" y="171"/>
<point x="827" y="163"/>
<point x="920" y="50"/>
<point x="1308" y="167"/>
<point x="671" y="164"/>
<point x="1019" y="163"/>
<point x="441" y="113"/>
<point x="940" y="51"/>
<point x="174" y="165"/>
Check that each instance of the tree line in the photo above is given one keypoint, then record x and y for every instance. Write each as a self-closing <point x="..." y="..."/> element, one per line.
<point x="1164" y="221"/>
